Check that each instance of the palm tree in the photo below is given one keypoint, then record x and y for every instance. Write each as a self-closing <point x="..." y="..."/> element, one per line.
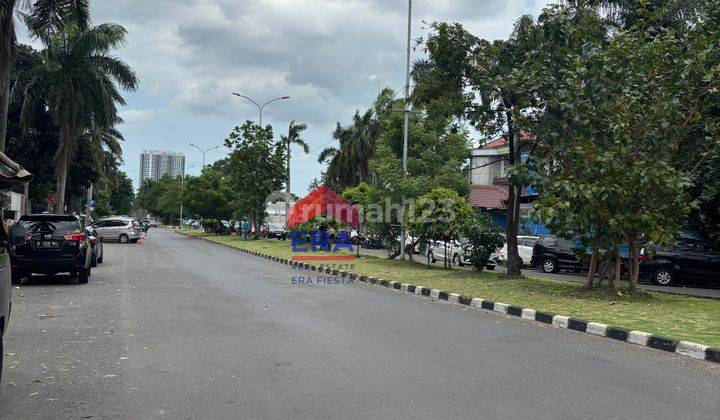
<point x="293" y="137"/>
<point x="82" y="78"/>
<point x="46" y="16"/>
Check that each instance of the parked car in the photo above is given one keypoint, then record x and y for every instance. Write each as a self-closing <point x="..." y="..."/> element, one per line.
<point x="55" y="243"/>
<point x="16" y="237"/>
<point x="119" y="229"/>
<point x="686" y="261"/>
<point x="455" y="252"/>
<point x="525" y="250"/>
<point x="274" y="230"/>
<point x="97" y="246"/>
<point x="552" y="254"/>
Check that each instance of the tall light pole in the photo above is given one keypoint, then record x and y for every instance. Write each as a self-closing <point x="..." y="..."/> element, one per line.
<point x="261" y="107"/>
<point x="406" y="128"/>
<point x="182" y="190"/>
<point x="204" y="152"/>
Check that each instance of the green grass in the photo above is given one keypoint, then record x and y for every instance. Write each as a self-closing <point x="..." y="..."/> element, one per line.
<point x="680" y="317"/>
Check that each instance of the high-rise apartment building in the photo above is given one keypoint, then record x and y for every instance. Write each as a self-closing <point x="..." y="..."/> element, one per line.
<point x="156" y="163"/>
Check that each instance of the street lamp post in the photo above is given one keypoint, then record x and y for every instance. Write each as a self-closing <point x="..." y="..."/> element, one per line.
<point x="405" y="128"/>
<point x="204" y="152"/>
<point x="261" y="107"/>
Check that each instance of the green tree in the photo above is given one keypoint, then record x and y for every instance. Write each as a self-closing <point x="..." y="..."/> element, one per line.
<point x="45" y="16"/>
<point x="82" y="78"/>
<point x="468" y="77"/>
<point x="209" y="195"/>
<point x="440" y="215"/>
<point x="256" y="168"/>
<point x="615" y="113"/>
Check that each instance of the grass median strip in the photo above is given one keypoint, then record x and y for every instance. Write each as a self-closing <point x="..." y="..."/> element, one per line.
<point x="661" y="314"/>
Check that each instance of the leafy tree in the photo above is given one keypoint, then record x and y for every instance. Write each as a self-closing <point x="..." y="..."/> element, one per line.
<point x="614" y="115"/>
<point x="468" y="77"/>
<point x="440" y="215"/>
<point x="256" y="168"/>
<point x="209" y="195"/>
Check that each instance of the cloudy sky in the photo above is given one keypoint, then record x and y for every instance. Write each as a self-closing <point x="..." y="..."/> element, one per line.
<point x="329" y="56"/>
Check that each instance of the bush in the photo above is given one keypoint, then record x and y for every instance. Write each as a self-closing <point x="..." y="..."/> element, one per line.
<point x="483" y="237"/>
<point x="209" y="224"/>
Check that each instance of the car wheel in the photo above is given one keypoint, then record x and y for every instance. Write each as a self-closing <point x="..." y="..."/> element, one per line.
<point x="93" y="261"/>
<point x="457" y="261"/>
<point x="490" y="267"/>
<point x="663" y="277"/>
<point x="83" y="276"/>
<point x="431" y="257"/>
<point x="100" y="260"/>
<point x="124" y="238"/>
<point x="548" y="266"/>
<point x="16" y="278"/>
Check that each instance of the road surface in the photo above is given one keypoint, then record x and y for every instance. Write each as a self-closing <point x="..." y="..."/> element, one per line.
<point x="180" y="328"/>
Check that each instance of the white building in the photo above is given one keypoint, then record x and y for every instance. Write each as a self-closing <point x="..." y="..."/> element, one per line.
<point x="156" y="163"/>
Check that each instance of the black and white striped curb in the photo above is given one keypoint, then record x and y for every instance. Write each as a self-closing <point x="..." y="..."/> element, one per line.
<point x="684" y="348"/>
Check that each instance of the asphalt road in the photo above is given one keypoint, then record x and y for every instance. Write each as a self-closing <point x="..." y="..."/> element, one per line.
<point x="179" y="328"/>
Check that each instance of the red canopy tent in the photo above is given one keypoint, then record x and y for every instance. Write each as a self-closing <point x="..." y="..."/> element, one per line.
<point x="323" y="202"/>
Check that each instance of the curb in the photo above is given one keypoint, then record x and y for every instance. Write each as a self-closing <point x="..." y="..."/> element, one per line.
<point x="671" y="345"/>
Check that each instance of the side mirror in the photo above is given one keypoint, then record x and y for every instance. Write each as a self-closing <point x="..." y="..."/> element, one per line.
<point x="17" y="236"/>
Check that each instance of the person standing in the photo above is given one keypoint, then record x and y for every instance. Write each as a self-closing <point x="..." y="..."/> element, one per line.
<point x="245" y="226"/>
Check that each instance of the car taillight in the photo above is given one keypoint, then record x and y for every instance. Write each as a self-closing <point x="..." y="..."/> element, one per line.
<point x="77" y="237"/>
<point x="131" y="229"/>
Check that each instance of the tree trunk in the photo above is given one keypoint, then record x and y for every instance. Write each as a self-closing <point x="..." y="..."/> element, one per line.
<point x="634" y="263"/>
<point x="593" y="265"/>
<point x="60" y="185"/>
<point x="618" y="266"/>
<point x="513" y="206"/>
<point x="7" y="60"/>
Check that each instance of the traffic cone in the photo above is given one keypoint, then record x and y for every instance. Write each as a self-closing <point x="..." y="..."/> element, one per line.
<point x="142" y="239"/>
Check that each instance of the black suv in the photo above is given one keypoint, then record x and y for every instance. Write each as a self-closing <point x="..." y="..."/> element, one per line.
<point x="686" y="261"/>
<point x="552" y="254"/>
<point x="55" y="243"/>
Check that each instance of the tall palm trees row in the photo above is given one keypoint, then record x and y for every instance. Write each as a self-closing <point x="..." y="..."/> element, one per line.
<point x="79" y="79"/>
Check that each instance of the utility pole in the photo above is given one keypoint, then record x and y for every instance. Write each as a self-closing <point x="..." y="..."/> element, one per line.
<point x="89" y="199"/>
<point x="406" y="128"/>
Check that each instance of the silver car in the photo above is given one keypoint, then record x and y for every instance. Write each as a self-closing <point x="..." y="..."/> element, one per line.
<point x="119" y="229"/>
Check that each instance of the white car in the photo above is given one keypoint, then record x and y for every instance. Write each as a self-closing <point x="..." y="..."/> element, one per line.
<point x="525" y="250"/>
<point x="455" y="253"/>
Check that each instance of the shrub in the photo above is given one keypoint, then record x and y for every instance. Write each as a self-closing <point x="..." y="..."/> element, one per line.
<point x="483" y="238"/>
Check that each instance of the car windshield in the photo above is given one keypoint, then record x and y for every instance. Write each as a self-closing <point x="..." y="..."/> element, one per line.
<point x="50" y="226"/>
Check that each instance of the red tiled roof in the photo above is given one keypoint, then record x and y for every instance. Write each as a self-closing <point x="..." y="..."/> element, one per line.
<point x="492" y="196"/>
<point x="502" y="141"/>
<point x="488" y="197"/>
<point x="492" y="144"/>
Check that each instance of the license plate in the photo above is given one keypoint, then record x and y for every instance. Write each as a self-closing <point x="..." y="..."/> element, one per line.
<point x="48" y="244"/>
